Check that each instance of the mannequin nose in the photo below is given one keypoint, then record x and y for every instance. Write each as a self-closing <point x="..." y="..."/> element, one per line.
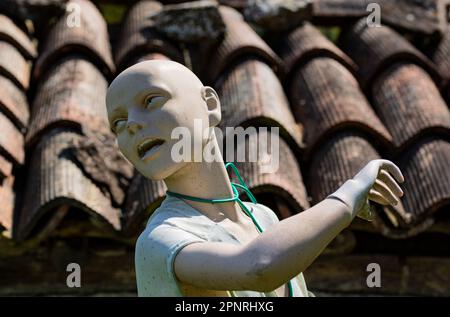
<point x="133" y="126"/>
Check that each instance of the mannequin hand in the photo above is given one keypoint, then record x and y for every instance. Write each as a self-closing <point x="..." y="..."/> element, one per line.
<point x="373" y="183"/>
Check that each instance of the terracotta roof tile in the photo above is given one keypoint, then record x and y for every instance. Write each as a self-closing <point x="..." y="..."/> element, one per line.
<point x="251" y="94"/>
<point x="326" y="98"/>
<point x="13" y="103"/>
<point x="9" y="32"/>
<point x="425" y="17"/>
<point x="427" y="174"/>
<point x="441" y="57"/>
<point x="11" y="141"/>
<point x="139" y="37"/>
<point x="90" y="38"/>
<point x="14" y="66"/>
<point x="307" y="42"/>
<point x="375" y="48"/>
<point x="240" y="40"/>
<point x="55" y="180"/>
<point x="409" y="103"/>
<point x="285" y="184"/>
<point x="72" y="93"/>
<point x="5" y="167"/>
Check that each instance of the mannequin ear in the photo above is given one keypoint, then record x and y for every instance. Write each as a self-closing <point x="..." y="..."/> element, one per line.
<point x="213" y="104"/>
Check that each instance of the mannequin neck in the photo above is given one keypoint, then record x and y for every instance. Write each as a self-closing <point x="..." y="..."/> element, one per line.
<point x="207" y="180"/>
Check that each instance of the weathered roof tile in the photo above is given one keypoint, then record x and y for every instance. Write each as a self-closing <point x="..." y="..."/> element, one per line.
<point x="13" y="102"/>
<point x="71" y="94"/>
<point x="9" y="32"/>
<point x="240" y="40"/>
<point x="14" y="66"/>
<point x="55" y="179"/>
<point x="139" y="36"/>
<point x="90" y="37"/>
<point x="409" y="103"/>
<point x="376" y="48"/>
<point x="11" y="141"/>
<point x="307" y="42"/>
<point x="326" y="98"/>
<point x="251" y="94"/>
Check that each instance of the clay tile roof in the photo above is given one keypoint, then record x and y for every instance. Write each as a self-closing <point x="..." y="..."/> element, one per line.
<point x="90" y="38"/>
<point x="409" y="103"/>
<point x="426" y="167"/>
<point x="9" y="32"/>
<point x="326" y="98"/>
<point x="58" y="180"/>
<point x="11" y="141"/>
<point x="13" y="103"/>
<point x="139" y="37"/>
<point x="375" y="48"/>
<point x="71" y="93"/>
<point x="74" y="173"/>
<point x="251" y="94"/>
<point x="307" y="42"/>
<point x="240" y="40"/>
<point x="5" y="167"/>
<point x="13" y="65"/>
<point x="441" y="57"/>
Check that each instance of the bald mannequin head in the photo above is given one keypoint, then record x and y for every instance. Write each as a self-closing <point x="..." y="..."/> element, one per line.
<point x="146" y="102"/>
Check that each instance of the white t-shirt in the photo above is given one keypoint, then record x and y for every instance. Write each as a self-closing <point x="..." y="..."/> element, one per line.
<point x="176" y="224"/>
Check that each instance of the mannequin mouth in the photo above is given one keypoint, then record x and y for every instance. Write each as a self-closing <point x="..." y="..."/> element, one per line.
<point x="148" y="147"/>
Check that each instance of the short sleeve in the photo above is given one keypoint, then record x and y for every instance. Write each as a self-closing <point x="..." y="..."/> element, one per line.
<point x="156" y="250"/>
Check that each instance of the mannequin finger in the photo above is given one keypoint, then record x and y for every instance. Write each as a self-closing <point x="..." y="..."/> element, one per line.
<point x="378" y="198"/>
<point x="393" y="169"/>
<point x="386" y="178"/>
<point x="384" y="190"/>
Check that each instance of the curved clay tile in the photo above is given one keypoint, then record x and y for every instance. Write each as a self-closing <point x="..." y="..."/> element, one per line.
<point x="11" y="33"/>
<point x="427" y="178"/>
<point x="284" y="183"/>
<point x="251" y="95"/>
<point x="240" y="40"/>
<point x="72" y="93"/>
<point x="441" y="57"/>
<point x="143" y="197"/>
<point x="5" y="167"/>
<point x="376" y="48"/>
<point x="340" y="159"/>
<point x="307" y="42"/>
<point x="55" y="180"/>
<point x="326" y="98"/>
<point x="13" y="102"/>
<point x="11" y="141"/>
<point x="409" y="104"/>
<point x="14" y="66"/>
<point x="7" y="207"/>
<point x="138" y="36"/>
<point x="89" y="38"/>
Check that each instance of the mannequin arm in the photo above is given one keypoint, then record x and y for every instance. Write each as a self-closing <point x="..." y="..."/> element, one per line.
<point x="290" y="246"/>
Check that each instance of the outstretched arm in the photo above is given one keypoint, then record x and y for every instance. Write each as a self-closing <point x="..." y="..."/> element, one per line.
<point x="290" y="246"/>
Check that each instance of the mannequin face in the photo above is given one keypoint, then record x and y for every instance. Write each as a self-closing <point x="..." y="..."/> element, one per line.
<point x="150" y="99"/>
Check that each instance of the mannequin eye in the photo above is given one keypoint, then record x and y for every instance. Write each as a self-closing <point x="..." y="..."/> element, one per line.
<point x="152" y="100"/>
<point x="119" y="125"/>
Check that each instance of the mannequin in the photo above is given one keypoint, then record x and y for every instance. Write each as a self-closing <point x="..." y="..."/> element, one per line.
<point x="192" y="248"/>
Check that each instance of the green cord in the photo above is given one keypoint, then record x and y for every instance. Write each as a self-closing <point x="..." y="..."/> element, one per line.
<point x="235" y="197"/>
